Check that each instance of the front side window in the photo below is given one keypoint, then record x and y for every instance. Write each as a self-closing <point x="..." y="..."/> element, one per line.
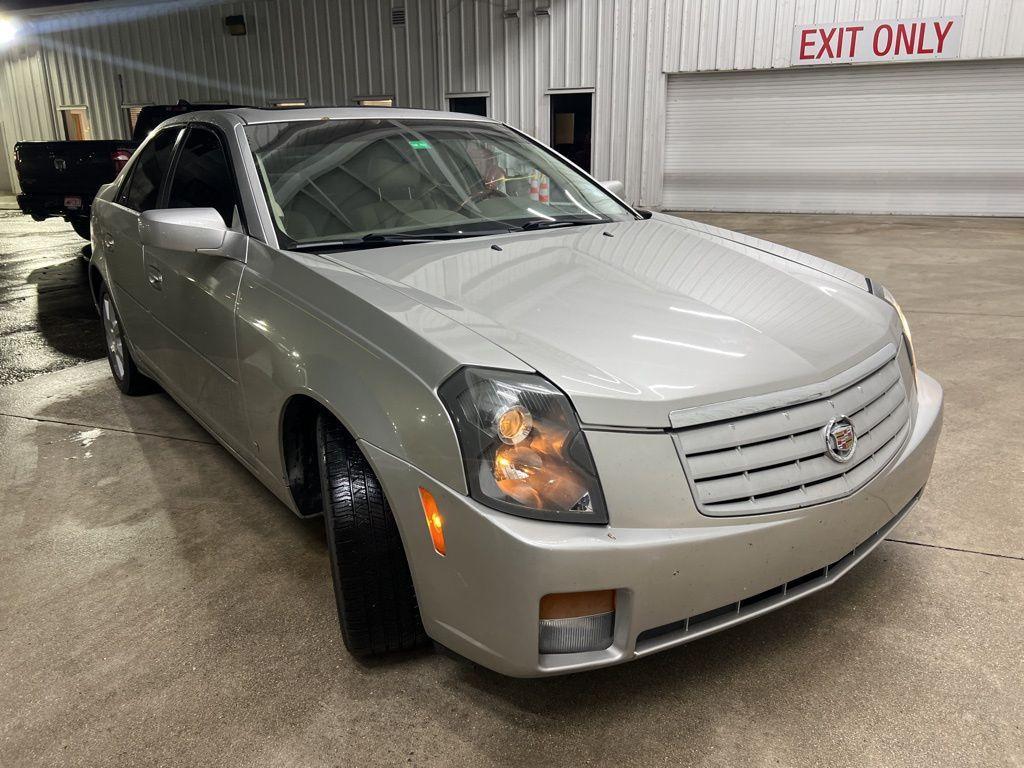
<point x="340" y="181"/>
<point x="149" y="170"/>
<point x="202" y="176"/>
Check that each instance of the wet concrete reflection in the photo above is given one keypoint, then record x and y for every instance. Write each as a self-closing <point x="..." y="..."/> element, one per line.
<point x="47" y="321"/>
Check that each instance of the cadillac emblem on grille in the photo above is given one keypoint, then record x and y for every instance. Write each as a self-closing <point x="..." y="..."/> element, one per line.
<point x="840" y="439"/>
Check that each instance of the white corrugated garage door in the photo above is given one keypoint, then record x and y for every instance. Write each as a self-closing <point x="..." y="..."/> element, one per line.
<point x="901" y="138"/>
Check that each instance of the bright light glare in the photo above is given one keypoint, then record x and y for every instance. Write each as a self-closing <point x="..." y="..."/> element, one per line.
<point x="8" y="30"/>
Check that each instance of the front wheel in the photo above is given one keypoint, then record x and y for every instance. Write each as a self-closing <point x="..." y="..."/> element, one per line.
<point x="82" y="228"/>
<point x="372" y="585"/>
<point x="126" y="374"/>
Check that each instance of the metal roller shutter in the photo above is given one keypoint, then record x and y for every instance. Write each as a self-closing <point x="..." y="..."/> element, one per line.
<point x="944" y="138"/>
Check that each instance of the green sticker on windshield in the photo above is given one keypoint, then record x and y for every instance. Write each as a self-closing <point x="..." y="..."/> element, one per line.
<point x="419" y="144"/>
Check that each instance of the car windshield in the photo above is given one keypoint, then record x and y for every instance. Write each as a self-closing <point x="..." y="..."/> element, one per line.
<point x="344" y="182"/>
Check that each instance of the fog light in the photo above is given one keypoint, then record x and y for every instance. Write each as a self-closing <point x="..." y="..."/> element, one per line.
<point x="574" y="622"/>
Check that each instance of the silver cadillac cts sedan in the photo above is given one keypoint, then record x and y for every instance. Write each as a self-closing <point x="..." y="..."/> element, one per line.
<point x="547" y="430"/>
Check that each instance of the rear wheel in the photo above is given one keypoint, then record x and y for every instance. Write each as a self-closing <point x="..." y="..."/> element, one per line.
<point x="126" y="374"/>
<point x="82" y="228"/>
<point x="372" y="585"/>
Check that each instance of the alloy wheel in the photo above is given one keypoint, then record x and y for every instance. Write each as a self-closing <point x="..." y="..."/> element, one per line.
<point x="112" y="332"/>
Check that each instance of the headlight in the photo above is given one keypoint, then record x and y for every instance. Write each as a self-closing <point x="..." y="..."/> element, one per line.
<point x="523" y="447"/>
<point x="885" y="294"/>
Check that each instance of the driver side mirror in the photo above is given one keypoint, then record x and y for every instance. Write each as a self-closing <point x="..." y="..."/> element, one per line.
<point x="615" y="186"/>
<point x="183" y="229"/>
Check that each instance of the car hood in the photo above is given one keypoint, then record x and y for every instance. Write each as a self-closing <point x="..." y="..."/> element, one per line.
<point x="634" y="320"/>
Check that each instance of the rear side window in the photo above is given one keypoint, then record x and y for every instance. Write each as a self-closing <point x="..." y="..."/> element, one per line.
<point x="202" y="176"/>
<point x="150" y="168"/>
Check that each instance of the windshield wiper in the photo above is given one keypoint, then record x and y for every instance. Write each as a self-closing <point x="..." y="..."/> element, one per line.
<point x="372" y="240"/>
<point x="552" y="223"/>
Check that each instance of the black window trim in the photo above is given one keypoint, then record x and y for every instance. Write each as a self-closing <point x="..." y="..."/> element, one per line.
<point x="165" y="189"/>
<point x="122" y="192"/>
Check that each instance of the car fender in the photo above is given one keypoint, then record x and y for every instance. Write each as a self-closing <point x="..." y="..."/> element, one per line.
<point x="370" y="355"/>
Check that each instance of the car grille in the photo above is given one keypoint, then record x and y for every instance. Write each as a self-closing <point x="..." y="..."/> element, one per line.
<point x="776" y="458"/>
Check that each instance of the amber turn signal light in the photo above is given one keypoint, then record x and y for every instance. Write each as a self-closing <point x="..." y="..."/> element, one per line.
<point x="435" y="522"/>
<point x="569" y="605"/>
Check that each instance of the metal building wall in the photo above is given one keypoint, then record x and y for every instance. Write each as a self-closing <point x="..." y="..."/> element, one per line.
<point x="702" y="35"/>
<point x="25" y="110"/>
<point x="325" y="51"/>
<point x="335" y="51"/>
<point x="519" y="52"/>
<point x="128" y="53"/>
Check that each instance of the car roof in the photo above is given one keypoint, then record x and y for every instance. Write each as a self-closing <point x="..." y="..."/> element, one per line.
<point x="256" y="116"/>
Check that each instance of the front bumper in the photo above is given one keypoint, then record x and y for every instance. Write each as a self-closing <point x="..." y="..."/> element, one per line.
<point x="678" y="574"/>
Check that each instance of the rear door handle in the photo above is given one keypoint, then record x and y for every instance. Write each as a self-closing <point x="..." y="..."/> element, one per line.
<point x="154" y="277"/>
<point x="107" y="240"/>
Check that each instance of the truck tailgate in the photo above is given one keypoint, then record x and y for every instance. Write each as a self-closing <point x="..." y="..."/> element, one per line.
<point x="67" y="167"/>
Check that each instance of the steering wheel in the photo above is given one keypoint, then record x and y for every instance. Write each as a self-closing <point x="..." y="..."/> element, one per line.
<point x="480" y="195"/>
<point x="483" y="193"/>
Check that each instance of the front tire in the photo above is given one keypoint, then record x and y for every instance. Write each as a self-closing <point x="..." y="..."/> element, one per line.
<point x="126" y="374"/>
<point x="372" y="585"/>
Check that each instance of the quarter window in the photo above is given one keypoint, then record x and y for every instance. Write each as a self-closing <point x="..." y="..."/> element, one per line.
<point x="202" y="176"/>
<point x="148" y="173"/>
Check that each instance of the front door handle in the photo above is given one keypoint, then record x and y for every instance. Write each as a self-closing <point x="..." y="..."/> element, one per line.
<point x="154" y="277"/>
<point x="107" y="240"/>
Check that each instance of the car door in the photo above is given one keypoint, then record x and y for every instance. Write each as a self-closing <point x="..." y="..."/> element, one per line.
<point x="118" y="236"/>
<point x="198" y="289"/>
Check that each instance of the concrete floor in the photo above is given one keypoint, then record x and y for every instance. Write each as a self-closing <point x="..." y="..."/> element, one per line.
<point x="160" y="608"/>
<point x="47" y="321"/>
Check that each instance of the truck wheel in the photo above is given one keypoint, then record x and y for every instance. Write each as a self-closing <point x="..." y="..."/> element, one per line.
<point x="372" y="586"/>
<point x="126" y="374"/>
<point x="82" y="228"/>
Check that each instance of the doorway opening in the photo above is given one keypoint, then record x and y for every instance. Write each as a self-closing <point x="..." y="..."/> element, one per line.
<point x="468" y="105"/>
<point x="76" y="123"/>
<point x="571" y="116"/>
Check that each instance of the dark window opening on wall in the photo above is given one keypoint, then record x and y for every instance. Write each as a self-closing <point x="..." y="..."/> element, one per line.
<point x="235" y="25"/>
<point x="571" y="116"/>
<point x="468" y="105"/>
<point x="134" y="111"/>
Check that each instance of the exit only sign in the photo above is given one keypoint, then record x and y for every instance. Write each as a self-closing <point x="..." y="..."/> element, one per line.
<point x="884" y="40"/>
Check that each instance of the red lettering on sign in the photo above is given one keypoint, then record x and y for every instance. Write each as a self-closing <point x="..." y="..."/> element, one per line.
<point x="805" y="43"/>
<point x="853" y="39"/>
<point x="894" y="39"/>
<point x="941" y="34"/>
<point x="826" y="42"/>
<point x="888" y="40"/>
<point x="920" y="42"/>
<point x="906" y="38"/>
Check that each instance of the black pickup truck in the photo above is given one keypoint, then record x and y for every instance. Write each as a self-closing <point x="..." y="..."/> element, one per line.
<point x="61" y="178"/>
